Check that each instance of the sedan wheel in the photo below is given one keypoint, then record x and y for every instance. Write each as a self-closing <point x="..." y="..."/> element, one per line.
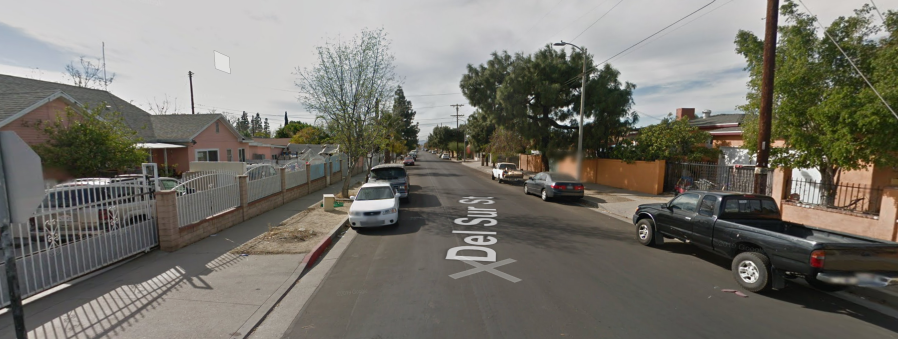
<point x="544" y="195"/>
<point x="526" y="192"/>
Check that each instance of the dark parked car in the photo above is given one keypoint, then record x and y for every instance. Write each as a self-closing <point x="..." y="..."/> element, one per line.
<point x="395" y="174"/>
<point x="409" y="161"/>
<point x="551" y="185"/>
<point x="765" y="250"/>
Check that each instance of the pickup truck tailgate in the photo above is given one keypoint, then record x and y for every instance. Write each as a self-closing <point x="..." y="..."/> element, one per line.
<point x="864" y="258"/>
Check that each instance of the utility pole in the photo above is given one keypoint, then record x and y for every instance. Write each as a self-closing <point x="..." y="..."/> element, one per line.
<point x="582" y="105"/>
<point x="766" y="109"/>
<point x="456" y="124"/>
<point x="190" y="75"/>
<point x="105" y="83"/>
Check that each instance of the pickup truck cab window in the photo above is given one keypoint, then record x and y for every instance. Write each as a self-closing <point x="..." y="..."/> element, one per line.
<point x="706" y="208"/>
<point x="686" y="202"/>
<point x="750" y="206"/>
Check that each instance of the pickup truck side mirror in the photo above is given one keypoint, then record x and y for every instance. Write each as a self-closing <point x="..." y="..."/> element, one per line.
<point x="665" y="206"/>
<point x="351" y="197"/>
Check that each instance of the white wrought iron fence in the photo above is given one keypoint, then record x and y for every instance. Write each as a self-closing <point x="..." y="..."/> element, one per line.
<point x="263" y="180"/>
<point x="296" y="178"/>
<point x="80" y="227"/>
<point x="205" y="196"/>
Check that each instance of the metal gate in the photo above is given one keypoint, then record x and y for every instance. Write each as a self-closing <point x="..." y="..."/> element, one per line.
<point x="82" y="226"/>
<point x="711" y="176"/>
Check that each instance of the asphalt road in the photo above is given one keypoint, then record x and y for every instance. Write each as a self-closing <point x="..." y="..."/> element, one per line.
<point x="582" y="275"/>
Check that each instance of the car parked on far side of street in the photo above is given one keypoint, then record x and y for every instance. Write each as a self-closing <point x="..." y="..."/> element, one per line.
<point x="409" y="161"/>
<point x="554" y="185"/>
<point x="376" y="204"/>
<point x="445" y="156"/>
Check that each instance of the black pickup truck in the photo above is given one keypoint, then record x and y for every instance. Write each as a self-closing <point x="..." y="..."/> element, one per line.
<point x="766" y="250"/>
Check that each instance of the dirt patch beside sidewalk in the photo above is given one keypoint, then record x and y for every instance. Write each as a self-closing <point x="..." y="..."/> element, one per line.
<point x="299" y="234"/>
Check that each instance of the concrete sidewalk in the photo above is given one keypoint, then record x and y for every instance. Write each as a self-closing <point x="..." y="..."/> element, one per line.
<point x="200" y="291"/>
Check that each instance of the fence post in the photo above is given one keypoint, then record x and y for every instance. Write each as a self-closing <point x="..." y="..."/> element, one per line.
<point x="242" y="181"/>
<point x="308" y="179"/>
<point x="782" y="180"/>
<point x="328" y="169"/>
<point x="167" y="220"/>
<point x="283" y="173"/>
<point x="888" y="213"/>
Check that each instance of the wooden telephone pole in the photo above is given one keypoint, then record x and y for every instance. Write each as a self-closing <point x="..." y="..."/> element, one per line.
<point x="456" y="125"/>
<point x="766" y="110"/>
<point x="190" y="75"/>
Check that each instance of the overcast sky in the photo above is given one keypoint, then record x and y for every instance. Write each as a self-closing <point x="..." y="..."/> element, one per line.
<point x="152" y="44"/>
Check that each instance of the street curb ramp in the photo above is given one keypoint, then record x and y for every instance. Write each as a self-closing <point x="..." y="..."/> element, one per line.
<point x="304" y="266"/>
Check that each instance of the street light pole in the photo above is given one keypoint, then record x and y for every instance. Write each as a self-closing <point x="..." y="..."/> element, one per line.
<point x="582" y="106"/>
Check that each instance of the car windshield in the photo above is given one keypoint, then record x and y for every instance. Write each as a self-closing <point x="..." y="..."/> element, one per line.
<point x="374" y="193"/>
<point x="387" y="173"/>
<point x="72" y="197"/>
<point x="507" y="167"/>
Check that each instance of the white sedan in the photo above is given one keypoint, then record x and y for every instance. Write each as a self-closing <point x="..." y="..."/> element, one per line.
<point x="376" y="204"/>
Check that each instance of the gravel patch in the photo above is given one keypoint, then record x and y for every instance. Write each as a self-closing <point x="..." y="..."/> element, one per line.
<point x="298" y="234"/>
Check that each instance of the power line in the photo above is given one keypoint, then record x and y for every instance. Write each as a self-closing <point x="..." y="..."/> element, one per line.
<point x="431" y="95"/>
<point x="877" y="11"/>
<point x="849" y="60"/>
<point x="643" y="40"/>
<point x="597" y="20"/>
<point x="578" y="19"/>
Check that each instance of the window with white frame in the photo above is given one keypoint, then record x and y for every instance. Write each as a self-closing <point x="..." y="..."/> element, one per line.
<point x="207" y="155"/>
<point x="230" y="157"/>
<point x="241" y="155"/>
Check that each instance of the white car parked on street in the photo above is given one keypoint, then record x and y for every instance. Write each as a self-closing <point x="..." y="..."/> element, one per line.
<point x="377" y="204"/>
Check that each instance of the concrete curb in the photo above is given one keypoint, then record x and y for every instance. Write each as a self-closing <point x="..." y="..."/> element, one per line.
<point x="587" y="202"/>
<point x="309" y="259"/>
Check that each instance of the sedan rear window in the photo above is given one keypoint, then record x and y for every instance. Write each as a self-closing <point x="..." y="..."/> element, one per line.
<point x="387" y="173"/>
<point x="374" y="193"/>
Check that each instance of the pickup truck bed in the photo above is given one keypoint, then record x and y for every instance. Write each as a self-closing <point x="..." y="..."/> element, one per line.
<point x="827" y="259"/>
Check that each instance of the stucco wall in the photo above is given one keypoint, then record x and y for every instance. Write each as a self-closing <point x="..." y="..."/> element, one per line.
<point x="641" y="176"/>
<point x="222" y="140"/>
<point x="843" y="222"/>
<point x="47" y="112"/>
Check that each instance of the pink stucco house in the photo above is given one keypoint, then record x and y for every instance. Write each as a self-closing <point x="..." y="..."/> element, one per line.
<point x="173" y="140"/>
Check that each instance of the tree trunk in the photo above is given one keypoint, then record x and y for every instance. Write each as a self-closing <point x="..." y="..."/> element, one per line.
<point x="482" y="160"/>
<point x="545" y="161"/>
<point x="829" y="180"/>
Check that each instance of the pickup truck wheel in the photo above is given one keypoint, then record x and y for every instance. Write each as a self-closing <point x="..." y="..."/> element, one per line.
<point x="812" y="280"/>
<point x="751" y="271"/>
<point x="492" y="177"/>
<point x="645" y="232"/>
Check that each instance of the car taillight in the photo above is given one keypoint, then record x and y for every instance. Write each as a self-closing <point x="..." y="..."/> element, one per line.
<point x="578" y="187"/>
<point x="817" y="258"/>
<point x="104" y="215"/>
<point x="558" y="187"/>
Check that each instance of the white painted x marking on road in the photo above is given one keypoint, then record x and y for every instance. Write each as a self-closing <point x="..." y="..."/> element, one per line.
<point x="478" y="267"/>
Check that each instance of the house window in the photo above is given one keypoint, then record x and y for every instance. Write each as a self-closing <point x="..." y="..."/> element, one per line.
<point x="230" y="158"/>
<point x="241" y="155"/>
<point x="207" y="155"/>
<point x="216" y="127"/>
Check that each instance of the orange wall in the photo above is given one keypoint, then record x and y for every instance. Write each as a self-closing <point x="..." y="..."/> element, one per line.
<point x="47" y="112"/>
<point x="640" y="176"/>
<point x="532" y="163"/>
<point x="728" y="140"/>
<point x="836" y="221"/>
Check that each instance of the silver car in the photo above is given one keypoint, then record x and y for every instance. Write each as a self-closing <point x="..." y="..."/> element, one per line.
<point x="552" y="185"/>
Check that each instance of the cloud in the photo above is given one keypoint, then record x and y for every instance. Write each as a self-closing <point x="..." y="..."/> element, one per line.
<point x="24" y="50"/>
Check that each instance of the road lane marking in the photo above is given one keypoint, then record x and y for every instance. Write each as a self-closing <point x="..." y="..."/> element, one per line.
<point x="491" y="268"/>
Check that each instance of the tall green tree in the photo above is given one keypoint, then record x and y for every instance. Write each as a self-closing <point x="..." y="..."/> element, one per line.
<point x="480" y="129"/>
<point x="243" y="125"/>
<point x="824" y="112"/>
<point x="344" y="88"/>
<point x="288" y="130"/>
<point x="538" y="97"/>
<point x="671" y="139"/>
<point x="403" y="109"/>
<point x="89" y="141"/>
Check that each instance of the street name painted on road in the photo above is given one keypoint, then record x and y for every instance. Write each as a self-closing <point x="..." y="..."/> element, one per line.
<point x="478" y="240"/>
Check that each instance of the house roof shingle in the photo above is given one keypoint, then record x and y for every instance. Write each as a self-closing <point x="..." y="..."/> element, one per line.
<point x="180" y="127"/>
<point x="15" y="89"/>
<point x="719" y="119"/>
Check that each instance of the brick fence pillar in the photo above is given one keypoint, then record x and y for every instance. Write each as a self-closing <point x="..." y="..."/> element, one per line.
<point x="328" y="172"/>
<point x="888" y="213"/>
<point x="167" y="220"/>
<point x="782" y="181"/>
<point x="283" y="173"/>
<point x="242" y="181"/>
<point x="308" y="179"/>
